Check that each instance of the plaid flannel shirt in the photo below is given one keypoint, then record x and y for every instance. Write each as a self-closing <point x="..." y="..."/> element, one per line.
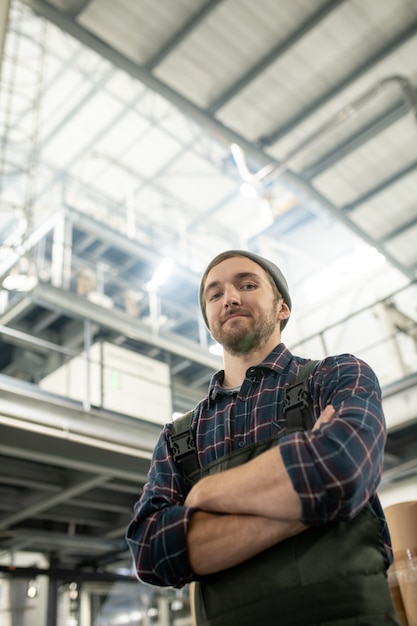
<point x="335" y="469"/>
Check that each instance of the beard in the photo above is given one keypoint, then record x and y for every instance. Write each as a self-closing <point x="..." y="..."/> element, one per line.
<point x="240" y="337"/>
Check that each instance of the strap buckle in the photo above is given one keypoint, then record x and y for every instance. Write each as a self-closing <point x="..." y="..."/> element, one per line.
<point x="298" y="412"/>
<point x="181" y="445"/>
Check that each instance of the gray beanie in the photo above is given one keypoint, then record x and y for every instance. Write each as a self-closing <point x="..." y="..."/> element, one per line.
<point x="267" y="265"/>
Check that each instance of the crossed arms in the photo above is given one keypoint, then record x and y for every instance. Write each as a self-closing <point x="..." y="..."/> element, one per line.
<point x="311" y="478"/>
<point x="243" y="511"/>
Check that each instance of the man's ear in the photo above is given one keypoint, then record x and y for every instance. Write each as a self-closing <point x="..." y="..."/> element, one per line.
<point x="283" y="311"/>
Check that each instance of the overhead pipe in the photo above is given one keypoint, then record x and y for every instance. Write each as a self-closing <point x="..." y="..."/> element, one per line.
<point x="342" y="116"/>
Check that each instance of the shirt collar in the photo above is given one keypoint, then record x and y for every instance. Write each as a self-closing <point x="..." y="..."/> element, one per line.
<point x="278" y="360"/>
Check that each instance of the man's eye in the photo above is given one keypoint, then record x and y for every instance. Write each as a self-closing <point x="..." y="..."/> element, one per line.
<point x="215" y="296"/>
<point x="248" y="286"/>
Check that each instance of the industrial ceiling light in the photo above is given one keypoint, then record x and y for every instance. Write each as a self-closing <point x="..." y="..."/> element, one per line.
<point x="161" y="274"/>
<point x="248" y="190"/>
<point x="32" y="589"/>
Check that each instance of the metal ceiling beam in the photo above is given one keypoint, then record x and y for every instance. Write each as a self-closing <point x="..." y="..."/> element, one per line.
<point x="24" y="405"/>
<point x="34" y="445"/>
<point x="70" y="304"/>
<point x="130" y="247"/>
<point x="4" y="19"/>
<point x="404" y="383"/>
<point x="80" y="484"/>
<point x="388" y="182"/>
<point x="377" y="126"/>
<point x="385" y="119"/>
<point x="60" y="573"/>
<point x="33" y="238"/>
<point x="368" y="64"/>
<point x="51" y="541"/>
<point x="274" y="54"/>
<point x="78" y="6"/>
<point x="201" y="218"/>
<point x="40" y="345"/>
<point x="303" y="189"/>
<point x="21" y="473"/>
<point x="407" y="225"/>
<point x="179" y="37"/>
<point x="17" y="309"/>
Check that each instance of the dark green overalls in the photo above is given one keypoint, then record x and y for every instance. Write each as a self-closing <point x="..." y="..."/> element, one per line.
<point x="331" y="575"/>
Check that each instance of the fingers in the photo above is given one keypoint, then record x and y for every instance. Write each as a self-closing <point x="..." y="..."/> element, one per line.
<point x="325" y="416"/>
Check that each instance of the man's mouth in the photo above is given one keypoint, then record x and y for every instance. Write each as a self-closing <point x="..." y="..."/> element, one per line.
<point x="232" y="316"/>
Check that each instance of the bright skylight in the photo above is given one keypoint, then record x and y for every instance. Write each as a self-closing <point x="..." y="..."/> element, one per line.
<point x="343" y="272"/>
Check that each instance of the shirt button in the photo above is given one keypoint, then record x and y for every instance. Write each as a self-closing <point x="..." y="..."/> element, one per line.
<point x="241" y="444"/>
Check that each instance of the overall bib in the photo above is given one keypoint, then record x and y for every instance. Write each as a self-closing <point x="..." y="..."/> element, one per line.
<point x="332" y="575"/>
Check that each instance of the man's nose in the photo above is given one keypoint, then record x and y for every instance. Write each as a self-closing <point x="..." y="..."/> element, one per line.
<point x="231" y="297"/>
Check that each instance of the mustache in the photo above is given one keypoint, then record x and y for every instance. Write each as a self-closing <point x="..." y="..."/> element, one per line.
<point x="229" y="314"/>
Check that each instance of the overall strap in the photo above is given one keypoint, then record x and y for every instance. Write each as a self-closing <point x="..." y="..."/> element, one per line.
<point x="299" y="415"/>
<point x="182" y="444"/>
<point x="299" y="412"/>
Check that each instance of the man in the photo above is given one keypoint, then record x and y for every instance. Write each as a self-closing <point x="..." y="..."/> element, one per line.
<point x="280" y="528"/>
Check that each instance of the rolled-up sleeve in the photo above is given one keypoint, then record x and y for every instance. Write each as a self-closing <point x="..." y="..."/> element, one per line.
<point x="156" y="536"/>
<point x="336" y="469"/>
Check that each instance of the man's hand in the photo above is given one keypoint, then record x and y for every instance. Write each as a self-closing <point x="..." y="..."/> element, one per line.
<point x="325" y="417"/>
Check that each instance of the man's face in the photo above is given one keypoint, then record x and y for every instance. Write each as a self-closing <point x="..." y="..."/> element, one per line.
<point x="241" y="306"/>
